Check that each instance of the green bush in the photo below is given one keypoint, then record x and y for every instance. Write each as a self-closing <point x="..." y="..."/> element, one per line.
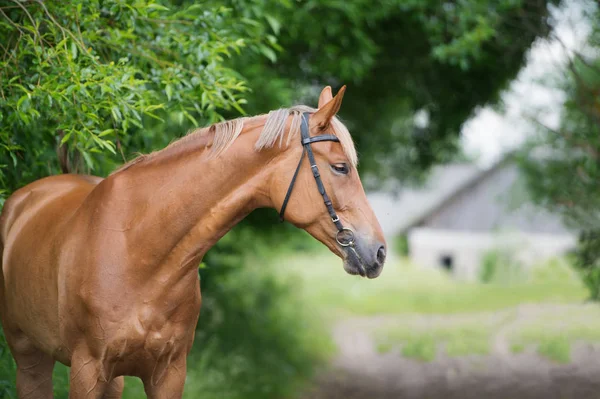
<point x="499" y="266"/>
<point x="489" y="265"/>
<point x="587" y="261"/>
<point x="401" y="244"/>
<point x="555" y="348"/>
<point x="7" y="370"/>
<point x="422" y="348"/>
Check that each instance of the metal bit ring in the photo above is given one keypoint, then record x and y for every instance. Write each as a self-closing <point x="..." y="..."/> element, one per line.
<point x="344" y="242"/>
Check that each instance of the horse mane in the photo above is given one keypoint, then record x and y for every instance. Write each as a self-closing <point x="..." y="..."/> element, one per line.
<point x="225" y="133"/>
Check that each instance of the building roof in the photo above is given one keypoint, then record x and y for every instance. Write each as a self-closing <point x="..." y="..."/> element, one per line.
<point x="396" y="212"/>
<point x="463" y="197"/>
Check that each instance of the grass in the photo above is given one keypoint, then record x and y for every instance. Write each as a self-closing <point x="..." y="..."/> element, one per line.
<point x="403" y="288"/>
<point x="421" y="348"/>
<point x="555" y="348"/>
<point x="517" y="347"/>
<point x="551" y="332"/>
<point x="554" y="333"/>
<point x="422" y="342"/>
<point x="406" y="291"/>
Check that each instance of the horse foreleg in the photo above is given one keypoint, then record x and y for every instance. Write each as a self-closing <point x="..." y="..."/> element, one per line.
<point x="34" y="368"/>
<point x="114" y="390"/>
<point x="89" y="378"/>
<point x="170" y="383"/>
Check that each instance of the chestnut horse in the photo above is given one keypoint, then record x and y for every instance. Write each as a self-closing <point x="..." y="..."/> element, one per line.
<point x="102" y="274"/>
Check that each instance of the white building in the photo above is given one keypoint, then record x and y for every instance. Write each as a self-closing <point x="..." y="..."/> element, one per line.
<point x="463" y="213"/>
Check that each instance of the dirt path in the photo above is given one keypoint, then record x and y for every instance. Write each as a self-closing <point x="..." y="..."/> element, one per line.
<point x="360" y="372"/>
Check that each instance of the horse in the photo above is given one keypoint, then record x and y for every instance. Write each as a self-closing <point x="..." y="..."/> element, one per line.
<point x="102" y="274"/>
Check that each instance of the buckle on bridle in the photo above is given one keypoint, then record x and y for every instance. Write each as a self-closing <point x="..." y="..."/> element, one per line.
<point x="335" y="219"/>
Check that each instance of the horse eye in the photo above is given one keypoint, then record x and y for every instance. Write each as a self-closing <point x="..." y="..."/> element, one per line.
<point x="340" y="168"/>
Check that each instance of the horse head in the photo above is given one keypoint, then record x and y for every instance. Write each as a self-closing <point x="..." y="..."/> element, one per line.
<point x="328" y="199"/>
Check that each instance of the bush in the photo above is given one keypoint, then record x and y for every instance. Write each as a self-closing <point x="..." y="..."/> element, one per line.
<point x="499" y="266"/>
<point x="401" y="244"/>
<point x="489" y="265"/>
<point x="587" y="261"/>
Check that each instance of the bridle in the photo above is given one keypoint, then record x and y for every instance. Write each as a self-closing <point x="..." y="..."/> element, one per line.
<point x="344" y="235"/>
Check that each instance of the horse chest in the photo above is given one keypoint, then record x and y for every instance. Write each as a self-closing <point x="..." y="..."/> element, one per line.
<point x="135" y="331"/>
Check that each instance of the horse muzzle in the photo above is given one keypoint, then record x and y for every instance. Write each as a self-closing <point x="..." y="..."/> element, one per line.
<point x="364" y="259"/>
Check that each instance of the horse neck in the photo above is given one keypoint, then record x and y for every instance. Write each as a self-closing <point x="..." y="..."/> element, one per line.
<point x="183" y="204"/>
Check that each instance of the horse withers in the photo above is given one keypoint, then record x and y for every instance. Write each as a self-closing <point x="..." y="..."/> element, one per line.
<point x="101" y="274"/>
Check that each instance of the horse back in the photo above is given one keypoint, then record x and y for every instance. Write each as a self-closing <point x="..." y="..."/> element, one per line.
<point x="34" y="196"/>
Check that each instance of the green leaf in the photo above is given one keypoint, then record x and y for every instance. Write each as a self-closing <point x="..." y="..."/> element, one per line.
<point x="169" y="92"/>
<point x="88" y="160"/>
<point x="106" y="132"/>
<point x="74" y="50"/>
<point x="269" y="53"/>
<point x="158" y="7"/>
<point x="21" y="101"/>
<point x="116" y="113"/>
<point x="65" y="138"/>
<point x="274" y="23"/>
<point x="191" y="118"/>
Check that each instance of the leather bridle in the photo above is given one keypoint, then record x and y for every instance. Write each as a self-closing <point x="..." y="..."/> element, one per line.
<point x="344" y="235"/>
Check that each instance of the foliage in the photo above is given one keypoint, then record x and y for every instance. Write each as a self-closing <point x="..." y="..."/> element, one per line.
<point x="553" y="332"/>
<point x="562" y="165"/>
<point x="489" y="265"/>
<point x="422" y="347"/>
<point x="587" y="261"/>
<point x="562" y="172"/>
<point x="557" y="349"/>
<point x="94" y="75"/>
<point x="7" y="370"/>
<point x="500" y="266"/>
<point x="550" y="330"/>
<point x="546" y="326"/>
<point x="422" y="342"/>
<point x="116" y="76"/>
<point x="403" y="58"/>
<point x="401" y="244"/>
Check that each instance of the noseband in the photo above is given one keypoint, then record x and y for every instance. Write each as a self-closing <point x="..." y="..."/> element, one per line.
<point x="344" y="236"/>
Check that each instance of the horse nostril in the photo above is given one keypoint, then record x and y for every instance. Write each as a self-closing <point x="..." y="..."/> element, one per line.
<point x="381" y="254"/>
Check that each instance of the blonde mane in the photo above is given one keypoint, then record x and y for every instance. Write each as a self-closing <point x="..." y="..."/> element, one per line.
<point x="274" y="132"/>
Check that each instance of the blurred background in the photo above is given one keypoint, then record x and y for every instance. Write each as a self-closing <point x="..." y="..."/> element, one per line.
<point x="477" y="124"/>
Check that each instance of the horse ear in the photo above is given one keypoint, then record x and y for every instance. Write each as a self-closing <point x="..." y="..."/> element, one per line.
<point x="325" y="96"/>
<point x="326" y="112"/>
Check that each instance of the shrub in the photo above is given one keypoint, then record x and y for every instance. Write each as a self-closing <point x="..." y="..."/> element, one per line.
<point x="401" y="245"/>
<point x="587" y="261"/>
<point x="489" y="265"/>
<point x="500" y="266"/>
